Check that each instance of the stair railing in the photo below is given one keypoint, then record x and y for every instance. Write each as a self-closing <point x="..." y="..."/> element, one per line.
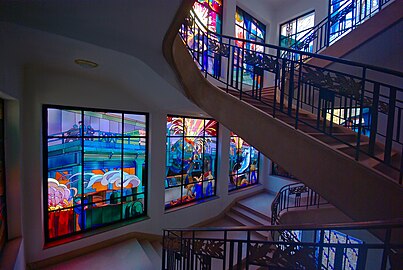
<point x="343" y="17"/>
<point x="239" y="248"/>
<point x="364" y="98"/>
<point x="294" y="196"/>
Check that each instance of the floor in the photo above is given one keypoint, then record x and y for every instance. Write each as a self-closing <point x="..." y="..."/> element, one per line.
<point x="138" y="255"/>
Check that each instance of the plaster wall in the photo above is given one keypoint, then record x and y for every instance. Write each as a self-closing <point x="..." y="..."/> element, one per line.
<point x="121" y="82"/>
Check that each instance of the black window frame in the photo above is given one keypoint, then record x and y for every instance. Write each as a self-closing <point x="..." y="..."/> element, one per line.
<point x="183" y="136"/>
<point x="257" y="168"/>
<point x="106" y="226"/>
<point x="296" y="24"/>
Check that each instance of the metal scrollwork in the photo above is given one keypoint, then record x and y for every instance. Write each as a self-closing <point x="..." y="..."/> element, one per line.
<point x="284" y="256"/>
<point x="261" y="60"/>
<point x="172" y="243"/>
<point x="332" y="81"/>
<point x="383" y="107"/>
<point x="219" y="48"/>
<point x="209" y="247"/>
<point x="298" y="190"/>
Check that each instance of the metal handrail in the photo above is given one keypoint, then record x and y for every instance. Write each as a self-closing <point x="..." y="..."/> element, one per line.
<point x="307" y="54"/>
<point x="305" y="86"/>
<point x="235" y="247"/>
<point x="366" y="225"/>
<point x="292" y="196"/>
<point x="337" y="17"/>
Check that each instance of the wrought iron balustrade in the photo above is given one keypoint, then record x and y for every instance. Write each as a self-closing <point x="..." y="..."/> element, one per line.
<point x="294" y="196"/>
<point x="343" y="17"/>
<point x="238" y="248"/>
<point x="363" y="98"/>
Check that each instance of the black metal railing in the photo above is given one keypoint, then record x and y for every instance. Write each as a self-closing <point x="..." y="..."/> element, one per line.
<point x="364" y="98"/>
<point x="294" y="196"/>
<point x="343" y="17"/>
<point x="319" y="248"/>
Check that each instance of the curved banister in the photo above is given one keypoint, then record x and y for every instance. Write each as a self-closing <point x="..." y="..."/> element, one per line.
<point x="221" y="106"/>
<point x="291" y="196"/>
<point x="322" y="37"/>
<point x="235" y="247"/>
<point x="367" y="225"/>
<point x="308" y="54"/>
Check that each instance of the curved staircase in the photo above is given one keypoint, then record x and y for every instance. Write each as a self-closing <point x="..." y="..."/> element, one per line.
<point x="323" y="155"/>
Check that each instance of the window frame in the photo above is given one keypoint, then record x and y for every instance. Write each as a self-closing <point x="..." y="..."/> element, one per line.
<point x="144" y="180"/>
<point x="257" y="169"/>
<point x="296" y="24"/>
<point x="182" y="184"/>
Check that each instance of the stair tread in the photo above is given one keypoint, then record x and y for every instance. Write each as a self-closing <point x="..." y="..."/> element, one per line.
<point x="251" y="215"/>
<point x="157" y="247"/>
<point x="245" y="222"/>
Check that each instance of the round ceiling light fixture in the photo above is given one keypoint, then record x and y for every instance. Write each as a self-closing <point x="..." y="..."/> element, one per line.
<point x="85" y="63"/>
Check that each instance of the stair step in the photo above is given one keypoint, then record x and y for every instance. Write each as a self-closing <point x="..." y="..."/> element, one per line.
<point x="261" y="215"/>
<point x="157" y="247"/>
<point x="154" y="257"/>
<point x="257" y="220"/>
<point x="246" y="222"/>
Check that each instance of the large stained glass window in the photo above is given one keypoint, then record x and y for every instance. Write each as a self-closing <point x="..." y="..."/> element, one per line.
<point x="295" y="30"/>
<point x="243" y="164"/>
<point x="191" y="160"/>
<point x="209" y="13"/>
<point x="3" y="217"/>
<point x="96" y="164"/>
<point x="350" y="255"/>
<point x="248" y="28"/>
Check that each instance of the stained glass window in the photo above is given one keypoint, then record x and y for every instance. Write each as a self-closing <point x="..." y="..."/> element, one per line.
<point x="248" y="28"/>
<point x="209" y="13"/>
<point x="3" y="216"/>
<point x="295" y="30"/>
<point x="191" y="160"/>
<point x="243" y="164"/>
<point x="350" y="255"/>
<point x="96" y="169"/>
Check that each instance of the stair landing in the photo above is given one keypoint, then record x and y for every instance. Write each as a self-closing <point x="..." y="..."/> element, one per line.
<point x="131" y="254"/>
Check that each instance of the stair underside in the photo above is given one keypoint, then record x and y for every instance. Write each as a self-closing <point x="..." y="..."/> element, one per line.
<point x="308" y="122"/>
<point x="362" y="192"/>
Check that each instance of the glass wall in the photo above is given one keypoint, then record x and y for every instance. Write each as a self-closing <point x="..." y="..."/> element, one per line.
<point x="191" y="160"/>
<point x="96" y="164"/>
<point x="295" y="30"/>
<point x="249" y="28"/>
<point x="209" y="13"/>
<point x="243" y="164"/>
<point x="3" y="216"/>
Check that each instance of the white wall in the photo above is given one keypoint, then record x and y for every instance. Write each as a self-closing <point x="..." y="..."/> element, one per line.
<point x="121" y="82"/>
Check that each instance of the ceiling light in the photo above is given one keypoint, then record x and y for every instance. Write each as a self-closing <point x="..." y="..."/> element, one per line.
<point x="85" y="63"/>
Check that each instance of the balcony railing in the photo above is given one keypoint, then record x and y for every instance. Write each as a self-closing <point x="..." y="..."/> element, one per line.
<point x="294" y="196"/>
<point x="239" y="248"/>
<point x="343" y="17"/>
<point x="364" y="98"/>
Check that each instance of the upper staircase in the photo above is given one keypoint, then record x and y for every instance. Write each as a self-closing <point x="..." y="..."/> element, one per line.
<point x="349" y="24"/>
<point x="311" y="120"/>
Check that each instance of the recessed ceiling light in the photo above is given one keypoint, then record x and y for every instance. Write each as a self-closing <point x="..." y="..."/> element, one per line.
<point x="85" y="63"/>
